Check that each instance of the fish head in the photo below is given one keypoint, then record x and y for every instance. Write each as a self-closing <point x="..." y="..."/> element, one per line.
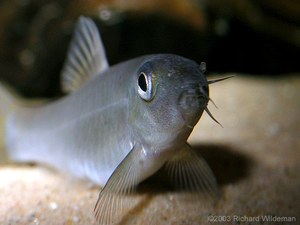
<point x="170" y="95"/>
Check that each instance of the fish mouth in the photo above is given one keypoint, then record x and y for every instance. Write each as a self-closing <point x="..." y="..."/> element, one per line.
<point x="191" y="121"/>
<point x="193" y="98"/>
<point x="193" y="102"/>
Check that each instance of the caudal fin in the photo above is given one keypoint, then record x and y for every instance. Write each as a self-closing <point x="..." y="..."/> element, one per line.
<point x="8" y="100"/>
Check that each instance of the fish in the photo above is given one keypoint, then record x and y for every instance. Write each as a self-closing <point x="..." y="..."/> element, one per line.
<point x="117" y="125"/>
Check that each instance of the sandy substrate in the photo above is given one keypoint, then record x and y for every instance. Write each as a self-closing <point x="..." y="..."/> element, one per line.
<point x="255" y="158"/>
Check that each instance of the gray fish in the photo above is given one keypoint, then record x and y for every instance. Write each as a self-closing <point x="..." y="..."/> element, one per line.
<point x="118" y="125"/>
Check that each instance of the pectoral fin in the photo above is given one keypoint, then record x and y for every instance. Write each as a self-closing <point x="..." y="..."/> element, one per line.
<point x="112" y="198"/>
<point x="189" y="172"/>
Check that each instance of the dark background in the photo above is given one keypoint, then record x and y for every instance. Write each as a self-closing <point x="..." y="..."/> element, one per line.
<point x="260" y="38"/>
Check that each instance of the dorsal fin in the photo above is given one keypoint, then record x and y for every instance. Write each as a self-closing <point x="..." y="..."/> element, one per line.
<point x="86" y="56"/>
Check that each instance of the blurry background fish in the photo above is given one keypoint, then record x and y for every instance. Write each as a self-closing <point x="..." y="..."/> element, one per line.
<point x="249" y="36"/>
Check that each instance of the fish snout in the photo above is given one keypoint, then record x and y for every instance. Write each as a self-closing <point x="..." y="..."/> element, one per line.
<point x="192" y="102"/>
<point x="193" y="98"/>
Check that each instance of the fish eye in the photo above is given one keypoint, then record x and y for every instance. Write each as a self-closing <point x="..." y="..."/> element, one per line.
<point x="145" y="86"/>
<point x="143" y="82"/>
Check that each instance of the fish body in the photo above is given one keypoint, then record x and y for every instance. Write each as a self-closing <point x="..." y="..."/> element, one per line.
<point x="118" y="125"/>
<point x="86" y="133"/>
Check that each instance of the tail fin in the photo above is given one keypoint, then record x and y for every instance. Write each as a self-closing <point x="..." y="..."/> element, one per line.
<point x="8" y="100"/>
<point x="8" y="104"/>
